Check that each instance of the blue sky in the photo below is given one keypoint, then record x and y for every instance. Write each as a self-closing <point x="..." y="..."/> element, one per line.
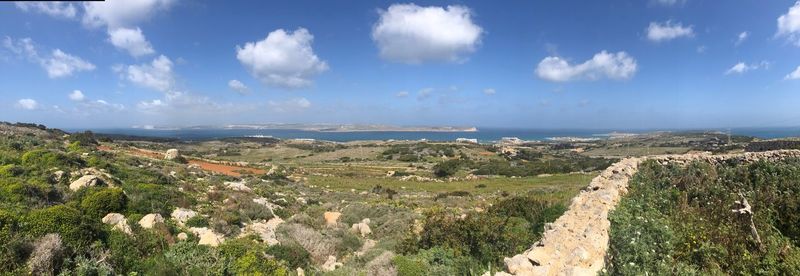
<point x="531" y="64"/>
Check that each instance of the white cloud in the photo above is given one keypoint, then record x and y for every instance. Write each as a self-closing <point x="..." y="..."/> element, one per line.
<point x="157" y="75"/>
<point x="665" y="31"/>
<point x="61" y="64"/>
<point x="489" y="91"/>
<point x="402" y="94"/>
<point x="54" y="9"/>
<point x="237" y="86"/>
<point x="424" y="93"/>
<point x="701" y="49"/>
<point x="669" y="2"/>
<point x="282" y="59"/>
<point x="27" y="104"/>
<point x="409" y="33"/>
<point x="77" y="96"/>
<point x="616" y="66"/>
<point x="741" y="67"/>
<point x="789" y="24"/>
<point x="58" y="64"/>
<point x="131" y="40"/>
<point x="795" y="75"/>
<point x="21" y="47"/>
<point x="100" y="106"/>
<point x="742" y="37"/>
<point x="121" y="13"/>
<point x="295" y="104"/>
<point x="151" y="105"/>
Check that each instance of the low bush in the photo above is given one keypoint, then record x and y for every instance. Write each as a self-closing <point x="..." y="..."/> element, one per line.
<point x="293" y="254"/>
<point x="107" y="200"/>
<point x="197" y="221"/>
<point x="76" y="231"/>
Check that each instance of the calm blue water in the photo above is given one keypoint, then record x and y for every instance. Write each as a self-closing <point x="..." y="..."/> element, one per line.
<point x="484" y="135"/>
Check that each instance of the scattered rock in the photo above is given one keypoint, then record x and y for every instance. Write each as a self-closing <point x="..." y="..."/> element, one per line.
<point x="182" y="236"/>
<point x="265" y="230"/>
<point x="84" y="181"/>
<point x="362" y="227"/>
<point x="119" y="222"/>
<point x="271" y="206"/>
<point x="207" y="236"/>
<point x="237" y="186"/>
<point x="150" y="220"/>
<point x="182" y="215"/>
<point x="331" y="218"/>
<point x="172" y="154"/>
<point x="331" y="264"/>
<point x="58" y="175"/>
<point x="301" y="272"/>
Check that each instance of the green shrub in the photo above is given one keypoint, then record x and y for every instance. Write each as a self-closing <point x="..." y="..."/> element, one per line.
<point x="42" y="160"/>
<point x="75" y="230"/>
<point x="153" y="198"/>
<point x="447" y="168"/>
<point x="255" y="263"/>
<point x="293" y="254"/>
<point x="14" y="247"/>
<point x="197" y="221"/>
<point x="107" y="200"/>
<point x="11" y="170"/>
<point x="190" y="258"/>
<point x="128" y="252"/>
<point x="409" y="266"/>
<point x="348" y="242"/>
<point x="437" y="261"/>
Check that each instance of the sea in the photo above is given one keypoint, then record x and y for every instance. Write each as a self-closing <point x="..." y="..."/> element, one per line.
<point x="483" y="135"/>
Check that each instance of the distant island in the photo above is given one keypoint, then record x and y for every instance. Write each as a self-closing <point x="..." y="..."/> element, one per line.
<point x="352" y="127"/>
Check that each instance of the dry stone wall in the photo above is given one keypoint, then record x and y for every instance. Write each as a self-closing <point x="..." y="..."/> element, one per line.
<point x="576" y="243"/>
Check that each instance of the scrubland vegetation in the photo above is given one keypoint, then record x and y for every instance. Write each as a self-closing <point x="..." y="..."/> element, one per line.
<point x="366" y="208"/>
<point x="420" y="221"/>
<point x="689" y="220"/>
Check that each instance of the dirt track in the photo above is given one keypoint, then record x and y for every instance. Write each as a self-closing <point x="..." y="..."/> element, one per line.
<point x="205" y="165"/>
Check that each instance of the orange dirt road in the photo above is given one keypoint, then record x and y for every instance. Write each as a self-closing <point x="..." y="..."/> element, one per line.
<point x="207" y="166"/>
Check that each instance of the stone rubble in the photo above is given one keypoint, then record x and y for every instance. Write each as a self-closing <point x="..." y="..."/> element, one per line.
<point x="182" y="215"/>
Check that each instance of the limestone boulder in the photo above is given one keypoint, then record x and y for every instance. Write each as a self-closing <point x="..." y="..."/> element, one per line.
<point x="362" y="228"/>
<point x="113" y="218"/>
<point x="331" y="218"/>
<point x="182" y="215"/>
<point x="518" y="264"/>
<point x="84" y="181"/>
<point x="58" y="175"/>
<point x="172" y="154"/>
<point x="119" y="222"/>
<point x="150" y="220"/>
<point x="265" y="230"/>
<point x="182" y="236"/>
<point x="237" y="186"/>
<point x="331" y="264"/>
<point x="207" y="236"/>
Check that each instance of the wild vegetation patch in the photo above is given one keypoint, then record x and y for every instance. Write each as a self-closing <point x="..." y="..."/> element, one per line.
<point x="692" y="220"/>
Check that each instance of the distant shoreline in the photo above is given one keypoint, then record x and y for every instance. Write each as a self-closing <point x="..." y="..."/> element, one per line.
<point x="354" y="128"/>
